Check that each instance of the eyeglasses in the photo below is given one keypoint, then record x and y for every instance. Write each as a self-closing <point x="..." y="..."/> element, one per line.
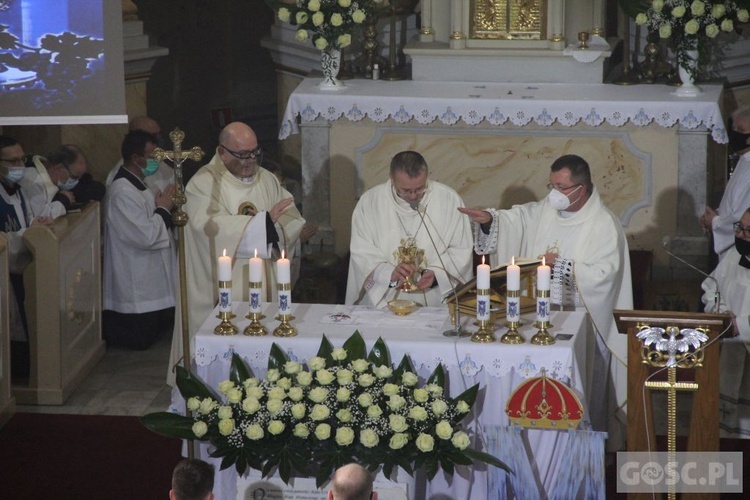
<point x="738" y="228"/>
<point x="13" y="162"/>
<point x="411" y="192"/>
<point x="74" y="177"/>
<point x="551" y="186"/>
<point x="245" y="155"/>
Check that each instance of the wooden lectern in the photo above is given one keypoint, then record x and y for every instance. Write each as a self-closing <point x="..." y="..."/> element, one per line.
<point x="696" y="371"/>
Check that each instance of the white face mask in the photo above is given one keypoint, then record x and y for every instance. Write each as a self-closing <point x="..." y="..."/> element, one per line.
<point x="15" y="174"/>
<point x="559" y="201"/>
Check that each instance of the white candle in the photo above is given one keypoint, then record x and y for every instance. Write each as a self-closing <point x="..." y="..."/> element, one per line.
<point x="283" y="270"/>
<point x="483" y="276"/>
<point x="256" y="268"/>
<point x="514" y="275"/>
<point x="225" y="267"/>
<point x="543" y="275"/>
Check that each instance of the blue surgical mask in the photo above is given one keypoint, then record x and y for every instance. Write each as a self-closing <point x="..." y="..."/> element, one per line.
<point x="151" y="167"/>
<point x="68" y="185"/>
<point x="15" y="174"/>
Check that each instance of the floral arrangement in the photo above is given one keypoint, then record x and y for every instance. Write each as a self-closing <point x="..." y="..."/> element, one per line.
<point x="685" y="22"/>
<point x="342" y="407"/>
<point x="328" y="23"/>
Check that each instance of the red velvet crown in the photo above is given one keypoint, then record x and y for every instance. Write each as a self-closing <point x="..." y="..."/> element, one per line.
<point x="544" y="403"/>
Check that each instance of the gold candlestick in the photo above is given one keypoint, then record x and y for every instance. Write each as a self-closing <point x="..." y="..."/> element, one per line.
<point x="255" y="328"/>
<point x="512" y="311"/>
<point x="484" y="334"/>
<point x="542" y="337"/>
<point x="285" y="329"/>
<point x="226" y="327"/>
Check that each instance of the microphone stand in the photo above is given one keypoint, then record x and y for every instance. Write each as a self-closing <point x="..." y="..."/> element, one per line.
<point x="717" y="300"/>
<point x="457" y="330"/>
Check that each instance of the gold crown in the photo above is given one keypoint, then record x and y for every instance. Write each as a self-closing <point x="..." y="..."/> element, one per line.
<point x="544" y="403"/>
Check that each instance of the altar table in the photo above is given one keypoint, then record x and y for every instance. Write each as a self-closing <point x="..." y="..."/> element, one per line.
<point x="498" y="368"/>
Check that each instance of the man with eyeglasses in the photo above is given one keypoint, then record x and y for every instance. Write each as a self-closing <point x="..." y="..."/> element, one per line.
<point x="49" y="183"/>
<point x="408" y="208"/>
<point x="581" y="240"/>
<point x="15" y="217"/>
<point x="736" y="197"/>
<point x="233" y="204"/>
<point x="732" y="295"/>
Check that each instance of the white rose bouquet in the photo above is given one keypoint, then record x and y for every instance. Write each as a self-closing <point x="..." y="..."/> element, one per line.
<point x="326" y="23"/>
<point x="344" y="406"/>
<point x="684" y="23"/>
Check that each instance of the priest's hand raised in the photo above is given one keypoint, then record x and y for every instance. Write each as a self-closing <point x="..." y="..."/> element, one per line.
<point x="280" y="209"/>
<point x="477" y="215"/>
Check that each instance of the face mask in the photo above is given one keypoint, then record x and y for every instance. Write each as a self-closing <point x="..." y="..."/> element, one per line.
<point x="151" y="167"/>
<point x="68" y="185"/>
<point x="742" y="246"/>
<point x="738" y="141"/>
<point x="15" y="174"/>
<point x="558" y="200"/>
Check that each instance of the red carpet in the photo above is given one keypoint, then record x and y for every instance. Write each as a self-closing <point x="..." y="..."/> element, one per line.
<point x="84" y="457"/>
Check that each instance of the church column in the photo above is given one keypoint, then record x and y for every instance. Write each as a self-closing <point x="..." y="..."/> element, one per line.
<point x="426" y="33"/>
<point x="555" y="24"/>
<point x="458" y="38"/>
<point x="316" y="180"/>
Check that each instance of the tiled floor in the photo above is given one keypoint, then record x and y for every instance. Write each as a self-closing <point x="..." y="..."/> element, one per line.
<point x="123" y="383"/>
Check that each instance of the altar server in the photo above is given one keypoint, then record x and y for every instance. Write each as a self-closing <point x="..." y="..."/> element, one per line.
<point x="233" y="204"/>
<point x="585" y="245"/>
<point x="408" y="209"/>
<point x="733" y="296"/>
<point x="139" y="251"/>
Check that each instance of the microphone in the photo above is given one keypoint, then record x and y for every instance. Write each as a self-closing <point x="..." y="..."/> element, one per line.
<point x="666" y="242"/>
<point x="457" y="330"/>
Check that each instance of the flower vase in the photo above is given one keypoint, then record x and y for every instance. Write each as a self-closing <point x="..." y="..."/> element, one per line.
<point x="687" y="68"/>
<point x="331" y="63"/>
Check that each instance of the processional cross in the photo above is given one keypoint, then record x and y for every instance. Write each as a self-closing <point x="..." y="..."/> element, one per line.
<point x="180" y="219"/>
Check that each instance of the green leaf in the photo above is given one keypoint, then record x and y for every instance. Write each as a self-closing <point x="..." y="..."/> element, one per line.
<point x="486" y="458"/>
<point x="277" y="358"/>
<point x="379" y="355"/>
<point x="469" y="395"/>
<point x="169" y="424"/>
<point x="325" y="350"/>
<point x="238" y="370"/>
<point x="191" y="386"/>
<point x="355" y="347"/>
<point x="438" y="376"/>
<point x="632" y="7"/>
<point x="405" y="366"/>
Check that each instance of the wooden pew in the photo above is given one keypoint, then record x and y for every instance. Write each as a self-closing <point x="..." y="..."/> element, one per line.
<point x="63" y="306"/>
<point x="7" y="401"/>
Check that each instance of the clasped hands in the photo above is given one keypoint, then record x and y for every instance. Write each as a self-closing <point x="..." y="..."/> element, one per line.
<point x="402" y="271"/>
<point x="706" y="220"/>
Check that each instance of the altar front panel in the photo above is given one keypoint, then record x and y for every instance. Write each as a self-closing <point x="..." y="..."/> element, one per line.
<point x="497" y="368"/>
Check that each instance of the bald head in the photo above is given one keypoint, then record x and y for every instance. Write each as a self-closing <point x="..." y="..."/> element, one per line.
<point x="238" y="149"/>
<point x="351" y="482"/>
<point x="145" y="124"/>
<point x="238" y="136"/>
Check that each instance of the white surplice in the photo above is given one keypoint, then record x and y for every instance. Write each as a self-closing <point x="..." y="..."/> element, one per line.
<point x="734" y="376"/>
<point x="40" y="191"/>
<point x="381" y="221"/>
<point x="163" y="177"/>
<point x="734" y="202"/>
<point x="214" y="199"/>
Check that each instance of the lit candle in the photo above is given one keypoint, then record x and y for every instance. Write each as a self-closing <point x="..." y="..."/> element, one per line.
<point x="256" y="268"/>
<point x="483" y="276"/>
<point x="225" y="267"/>
<point x="543" y="275"/>
<point x="514" y="275"/>
<point x="283" y="270"/>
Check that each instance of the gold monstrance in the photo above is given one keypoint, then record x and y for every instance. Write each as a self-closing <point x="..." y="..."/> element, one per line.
<point x="180" y="219"/>
<point x="409" y="253"/>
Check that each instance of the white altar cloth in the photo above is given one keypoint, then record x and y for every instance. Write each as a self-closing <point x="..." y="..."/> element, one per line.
<point x="498" y="368"/>
<point x="498" y="103"/>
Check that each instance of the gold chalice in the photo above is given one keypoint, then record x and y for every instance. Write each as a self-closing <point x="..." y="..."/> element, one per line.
<point x="583" y="40"/>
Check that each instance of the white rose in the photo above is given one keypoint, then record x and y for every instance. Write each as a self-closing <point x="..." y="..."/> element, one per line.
<point x="398" y="441"/>
<point x="344" y="436"/>
<point x="301" y="17"/>
<point x="343" y="394"/>
<point x="301" y="431"/>
<point x="299" y="410"/>
<point x="226" y="426"/>
<point x="712" y="30"/>
<point x="679" y="11"/>
<point x="417" y="413"/>
<point x="273" y="375"/>
<point x="461" y="440"/>
<point x="409" y="379"/>
<point x="692" y="27"/>
<point x="320" y="412"/>
<point x="421" y="395"/>
<point x="274" y="406"/>
<point x="285" y="383"/>
<point x="390" y="389"/>
<point x="225" y="411"/>
<point x="434" y="389"/>
<point x="304" y="379"/>
<point x="296" y="393"/>
<point x="360" y="365"/>
<point x="324" y="377"/>
<point x="292" y="367"/>
<point x="234" y="395"/>
<point x="369" y="438"/>
<point x="318" y="395"/>
<point x="336" y="19"/>
<point x="317" y="363"/>
<point x="665" y="31"/>
<point x="207" y="405"/>
<point x="193" y="404"/>
<point x="462" y="407"/>
<point x="698" y="8"/>
<point x="374" y="411"/>
<point x="276" y="427"/>
<point x="396" y="402"/>
<point x="254" y="432"/>
<point x="398" y="423"/>
<point x="444" y="430"/>
<point x="439" y="407"/>
<point x="250" y="405"/>
<point x="200" y="429"/>
<point x="641" y="19"/>
<point x="277" y="393"/>
<point x="339" y="354"/>
<point x="313" y="5"/>
<point x="743" y="16"/>
<point x="255" y="392"/>
<point x="727" y="25"/>
<point x="382" y="371"/>
<point x="321" y="43"/>
<point x="322" y="431"/>
<point x="718" y="10"/>
<point x="364" y="400"/>
<point x="366" y="380"/>
<point x="318" y="18"/>
<point x="344" y="415"/>
<point x="345" y="3"/>
<point x="344" y="377"/>
<point x="225" y="385"/>
<point x="284" y="14"/>
<point x="358" y="16"/>
<point x="425" y="443"/>
<point x="250" y="382"/>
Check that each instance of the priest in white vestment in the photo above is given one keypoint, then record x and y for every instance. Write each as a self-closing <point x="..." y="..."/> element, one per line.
<point x="736" y="197"/>
<point x="235" y="205"/>
<point x="408" y="208"/>
<point x="733" y="296"/>
<point x="584" y="243"/>
<point x="48" y="184"/>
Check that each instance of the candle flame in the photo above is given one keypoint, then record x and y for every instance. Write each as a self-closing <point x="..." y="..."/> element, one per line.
<point x="282" y="253"/>
<point x="513" y="260"/>
<point x="482" y="259"/>
<point x="225" y="252"/>
<point x="256" y="253"/>
<point x="543" y="261"/>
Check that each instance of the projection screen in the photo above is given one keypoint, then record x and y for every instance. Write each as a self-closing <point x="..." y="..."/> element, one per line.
<point x="61" y="62"/>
